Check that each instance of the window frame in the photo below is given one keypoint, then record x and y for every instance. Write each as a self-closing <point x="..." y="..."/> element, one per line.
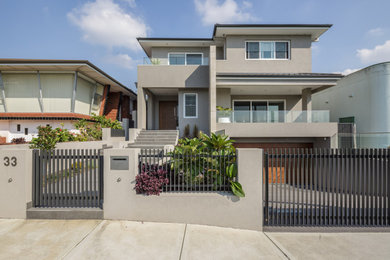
<point x="185" y="58"/>
<point x="196" y="105"/>
<point x="259" y="100"/>
<point x="274" y="41"/>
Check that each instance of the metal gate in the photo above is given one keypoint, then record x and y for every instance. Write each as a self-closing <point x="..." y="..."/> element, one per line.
<point x="327" y="187"/>
<point x="68" y="178"/>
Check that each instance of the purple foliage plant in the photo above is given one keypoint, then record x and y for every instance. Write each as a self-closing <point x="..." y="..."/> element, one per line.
<point x="151" y="179"/>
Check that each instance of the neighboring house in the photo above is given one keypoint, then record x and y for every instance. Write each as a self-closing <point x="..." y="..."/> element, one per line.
<point x="262" y="72"/>
<point x="51" y="92"/>
<point x="361" y="98"/>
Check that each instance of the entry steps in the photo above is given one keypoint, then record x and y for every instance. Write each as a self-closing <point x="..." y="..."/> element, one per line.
<point x="155" y="139"/>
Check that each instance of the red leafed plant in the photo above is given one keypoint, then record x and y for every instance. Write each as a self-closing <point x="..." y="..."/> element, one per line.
<point x="151" y="179"/>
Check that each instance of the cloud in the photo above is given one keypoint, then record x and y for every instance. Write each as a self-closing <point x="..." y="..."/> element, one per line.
<point x="376" y="32"/>
<point x="225" y="11"/>
<point x="348" y="71"/>
<point x="131" y="3"/>
<point x="103" y="22"/>
<point x="379" y="53"/>
<point x="121" y="60"/>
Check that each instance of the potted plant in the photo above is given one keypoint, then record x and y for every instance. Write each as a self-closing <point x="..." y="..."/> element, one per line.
<point x="224" y="114"/>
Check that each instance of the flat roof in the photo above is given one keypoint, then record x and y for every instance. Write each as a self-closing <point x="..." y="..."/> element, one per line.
<point x="314" y="30"/>
<point x="280" y="75"/>
<point x="83" y="66"/>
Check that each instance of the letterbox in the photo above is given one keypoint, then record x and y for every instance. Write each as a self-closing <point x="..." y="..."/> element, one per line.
<point x="119" y="163"/>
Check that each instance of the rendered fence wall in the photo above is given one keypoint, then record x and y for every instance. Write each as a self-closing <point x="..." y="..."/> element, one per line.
<point x="15" y="182"/>
<point x="206" y="208"/>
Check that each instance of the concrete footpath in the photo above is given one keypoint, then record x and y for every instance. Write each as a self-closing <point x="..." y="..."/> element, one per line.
<point x="97" y="239"/>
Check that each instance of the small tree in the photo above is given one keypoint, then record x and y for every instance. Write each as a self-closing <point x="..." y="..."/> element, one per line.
<point x="46" y="140"/>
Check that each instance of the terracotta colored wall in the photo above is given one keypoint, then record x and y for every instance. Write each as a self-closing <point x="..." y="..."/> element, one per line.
<point x="111" y="110"/>
<point x="3" y="140"/>
<point x="104" y="99"/>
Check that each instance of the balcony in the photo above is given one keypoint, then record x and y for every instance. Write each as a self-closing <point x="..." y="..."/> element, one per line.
<point x="253" y="124"/>
<point x="173" y="76"/>
<point x="292" y="116"/>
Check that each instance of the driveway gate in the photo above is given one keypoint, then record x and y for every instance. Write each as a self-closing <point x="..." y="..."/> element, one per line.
<point x="68" y="178"/>
<point x="327" y="187"/>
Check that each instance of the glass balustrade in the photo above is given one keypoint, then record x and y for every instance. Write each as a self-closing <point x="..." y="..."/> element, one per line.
<point x="278" y="116"/>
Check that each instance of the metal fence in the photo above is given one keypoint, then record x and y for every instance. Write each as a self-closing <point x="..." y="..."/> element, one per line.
<point x="68" y="178"/>
<point x="189" y="171"/>
<point x="327" y="187"/>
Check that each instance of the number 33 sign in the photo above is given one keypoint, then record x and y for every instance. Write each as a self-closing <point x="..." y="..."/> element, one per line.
<point x="13" y="161"/>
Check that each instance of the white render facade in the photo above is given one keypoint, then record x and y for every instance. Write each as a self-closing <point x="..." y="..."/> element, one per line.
<point x="260" y="73"/>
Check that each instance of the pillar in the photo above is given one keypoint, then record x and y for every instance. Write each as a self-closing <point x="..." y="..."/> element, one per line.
<point x="141" y="108"/>
<point x="213" y="89"/>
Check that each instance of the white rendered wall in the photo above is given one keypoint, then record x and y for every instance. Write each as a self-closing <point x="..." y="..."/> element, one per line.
<point x="364" y="95"/>
<point x="8" y="128"/>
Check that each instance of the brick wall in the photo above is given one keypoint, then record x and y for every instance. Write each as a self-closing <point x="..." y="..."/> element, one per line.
<point x="126" y="107"/>
<point x="104" y="99"/>
<point x="3" y="140"/>
<point x="112" y="104"/>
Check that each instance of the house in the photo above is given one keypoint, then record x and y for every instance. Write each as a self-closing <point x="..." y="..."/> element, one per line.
<point x="51" y="92"/>
<point x="363" y="99"/>
<point x="262" y="72"/>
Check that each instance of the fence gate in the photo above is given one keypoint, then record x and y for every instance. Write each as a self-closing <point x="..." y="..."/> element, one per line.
<point x="327" y="187"/>
<point x="68" y="178"/>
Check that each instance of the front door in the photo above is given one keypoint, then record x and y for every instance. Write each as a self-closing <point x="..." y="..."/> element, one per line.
<point x="167" y="115"/>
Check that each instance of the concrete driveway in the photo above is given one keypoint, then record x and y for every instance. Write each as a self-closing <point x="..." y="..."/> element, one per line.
<point x="96" y="239"/>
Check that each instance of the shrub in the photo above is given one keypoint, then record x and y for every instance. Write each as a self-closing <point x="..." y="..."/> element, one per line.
<point x="91" y="131"/>
<point x="195" y="134"/>
<point x="20" y="140"/>
<point x="186" y="132"/>
<point x="46" y="140"/>
<point x="151" y="180"/>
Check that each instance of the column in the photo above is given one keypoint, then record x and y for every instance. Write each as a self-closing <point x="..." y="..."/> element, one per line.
<point x="141" y="108"/>
<point x="213" y="89"/>
<point x="306" y="103"/>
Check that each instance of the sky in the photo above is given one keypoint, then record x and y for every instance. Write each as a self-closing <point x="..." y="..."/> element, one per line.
<point x="104" y="31"/>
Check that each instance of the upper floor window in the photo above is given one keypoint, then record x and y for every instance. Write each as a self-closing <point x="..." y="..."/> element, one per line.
<point x="185" y="58"/>
<point x="267" y="50"/>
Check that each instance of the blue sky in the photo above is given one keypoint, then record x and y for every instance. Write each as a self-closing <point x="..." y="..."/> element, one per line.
<point x="104" y="31"/>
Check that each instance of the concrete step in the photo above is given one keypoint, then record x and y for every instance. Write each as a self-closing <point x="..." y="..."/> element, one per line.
<point x="146" y="146"/>
<point x="165" y="139"/>
<point x="154" y="142"/>
<point x="64" y="213"/>
<point x="157" y="134"/>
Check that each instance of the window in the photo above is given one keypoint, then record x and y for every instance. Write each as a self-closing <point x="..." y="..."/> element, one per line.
<point x="26" y="131"/>
<point x="261" y="111"/>
<point x="177" y="59"/>
<point x="185" y="58"/>
<point x="194" y="59"/>
<point x="190" y="105"/>
<point x="252" y="50"/>
<point x="267" y="50"/>
<point x="18" y="127"/>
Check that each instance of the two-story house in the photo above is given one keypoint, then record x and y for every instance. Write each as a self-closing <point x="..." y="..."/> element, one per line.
<point x="261" y="74"/>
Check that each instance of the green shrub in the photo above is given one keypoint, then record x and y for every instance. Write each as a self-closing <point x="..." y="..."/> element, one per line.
<point x="186" y="132"/>
<point x="210" y="165"/>
<point x="92" y="131"/>
<point x="46" y="140"/>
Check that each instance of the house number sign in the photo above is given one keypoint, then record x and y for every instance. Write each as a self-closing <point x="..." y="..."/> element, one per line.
<point x="13" y="161"/>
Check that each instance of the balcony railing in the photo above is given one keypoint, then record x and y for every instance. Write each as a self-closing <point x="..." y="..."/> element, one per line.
<point x="310" y="116"/>
<point x="157" y="61"/>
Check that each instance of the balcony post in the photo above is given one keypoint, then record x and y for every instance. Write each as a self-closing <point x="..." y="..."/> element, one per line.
<point x="141" y="108"/>
<point x="213" y="89"/>
<point x="306" y="103"/>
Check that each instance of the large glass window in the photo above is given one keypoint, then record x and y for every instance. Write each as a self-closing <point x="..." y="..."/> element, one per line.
<point x="185" y="59"/>
<point x="190" y="105"/>
<point x="242" y="111"/>
<point x="267" y="50"/>
<point x="177" y="59"/>
<point x="194" y="59"/>
<point x="258" y="111"/>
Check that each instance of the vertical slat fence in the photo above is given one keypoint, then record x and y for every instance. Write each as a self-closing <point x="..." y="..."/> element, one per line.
<point x="68" y="178"/>
<point x="326" y="187"/>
